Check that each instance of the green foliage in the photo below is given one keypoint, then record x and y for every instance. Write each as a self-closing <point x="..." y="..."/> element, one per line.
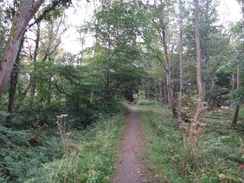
<point x="164" y="142"/>
<point x="90" y="156"/>
<point x="3" y="30"/>
<point x="127" y="81"/>
<point x="118" y="23"/>
<point x="53" y="10"/>
<point x="223" y="114"/>
<point x="211" y="153"/>
<point x="87" y="116"/>
<point x="216" y="50"/>
<point x="145" y="102"/>
<point x="44" y="154"/>
<point x="189" y="104"/>
<point x="4" y="113"/>
<point x="115" y="67"/>
<point x="236" y="97"/>
<point x="19" y="157"/>
<point x="89" y="85"/>
<point x="11" y="137"/>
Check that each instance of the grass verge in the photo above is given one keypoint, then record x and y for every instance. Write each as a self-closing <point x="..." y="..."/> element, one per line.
<point x="89" y="155"/>
<point x="65" y="156"/>
<point x="214" y="154"/>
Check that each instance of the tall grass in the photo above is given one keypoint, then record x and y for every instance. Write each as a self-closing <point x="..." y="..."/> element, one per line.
<point x="70" y="150"/>
<point x="89" y="154"/>
<point x="208" y="153"/>
<point x="65" y="155"/>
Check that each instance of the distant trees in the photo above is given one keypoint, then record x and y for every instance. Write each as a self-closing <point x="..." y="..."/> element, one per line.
<point x="116" y="29"/>
<point x="138" y="49"/>
<point x="238" y="34"/>
<point x="159" y="42"/>
<point x="213" y="51"/>
<point x="3" y="29"/>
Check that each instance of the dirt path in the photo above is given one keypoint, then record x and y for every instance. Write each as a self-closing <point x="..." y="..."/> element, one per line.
<point x="130" y="168"/>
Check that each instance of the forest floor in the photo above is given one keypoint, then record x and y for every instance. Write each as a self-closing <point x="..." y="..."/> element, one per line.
<point x="131" y="166"/>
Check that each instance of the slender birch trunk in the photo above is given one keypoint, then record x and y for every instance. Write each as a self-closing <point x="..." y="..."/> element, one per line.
<point x="167" y="67"/>
<point x="33" y="76"/>
<point x="181" y="64"/>
<point x="238" y="85"/>
<point x="199" y="65"/>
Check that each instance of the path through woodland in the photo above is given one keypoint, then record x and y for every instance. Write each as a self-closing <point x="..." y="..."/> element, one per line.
<point x="131" y="167"/>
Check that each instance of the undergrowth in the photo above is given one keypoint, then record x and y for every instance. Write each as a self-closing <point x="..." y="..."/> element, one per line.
<point x="212" y="153"/>
<point x="146" y="102"/>
<point x="89" y="155"/>
<point x="60" y="154"/>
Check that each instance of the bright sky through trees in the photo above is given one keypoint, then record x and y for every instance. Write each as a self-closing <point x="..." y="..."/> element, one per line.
<point x="229" y="11"/>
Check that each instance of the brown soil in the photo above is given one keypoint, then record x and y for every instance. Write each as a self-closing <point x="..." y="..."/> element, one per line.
<point x="130" y="168"/>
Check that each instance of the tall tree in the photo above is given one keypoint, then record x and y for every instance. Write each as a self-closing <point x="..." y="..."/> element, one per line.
<point x="34" y="59"/>
<point x="116" y="30"/>
<point x="13" y="84"/>
<point x="181" y="62"/>
<point x="167" y="65"/>
<point x="238" y="86"/>
<point x="238" y="34"/>
<point x="24" y="14"/>
<point x="199" y="64"/>
<point x="214" y="44"/>
<point x="161" y="18"/>
<point x="26" y="11"/>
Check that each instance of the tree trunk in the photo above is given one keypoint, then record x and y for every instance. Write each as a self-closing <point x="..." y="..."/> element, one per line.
<point x="238" y="85"/>
<point x="181" y="65"/>
<point x="166" y="101"/>
<point x="91" y="97"/>
<point x="205" y="51"/>
<point x="168" y="68"/>
<point x="204" y="85"/>
<point x="13" y="84"/>
<point x="12" y="91"/>
<point x="210" y="95"/>
<point x="233" y="81"/>
<point x="21" y="20"/>
<point x="161" y="91"/>
<point x="107" y="83"/>
<point x="199" y="65"/>
<point x="33" y="76"/>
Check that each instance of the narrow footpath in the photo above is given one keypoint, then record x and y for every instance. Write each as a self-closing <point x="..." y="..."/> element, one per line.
<point x="130" y="167"/>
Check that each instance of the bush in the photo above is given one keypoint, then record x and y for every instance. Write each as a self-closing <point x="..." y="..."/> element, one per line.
<point x="64" y="154"/>
<point x="35" y="112"/>
<point x="145" y="102"/>
<point x="89" y="154"/>
<point x="18" y="159"/>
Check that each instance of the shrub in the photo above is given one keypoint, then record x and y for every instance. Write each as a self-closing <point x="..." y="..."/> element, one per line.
<point x="18" y="159"/>
<point x="146" y="102"/>
<point x="90" y="157"/>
